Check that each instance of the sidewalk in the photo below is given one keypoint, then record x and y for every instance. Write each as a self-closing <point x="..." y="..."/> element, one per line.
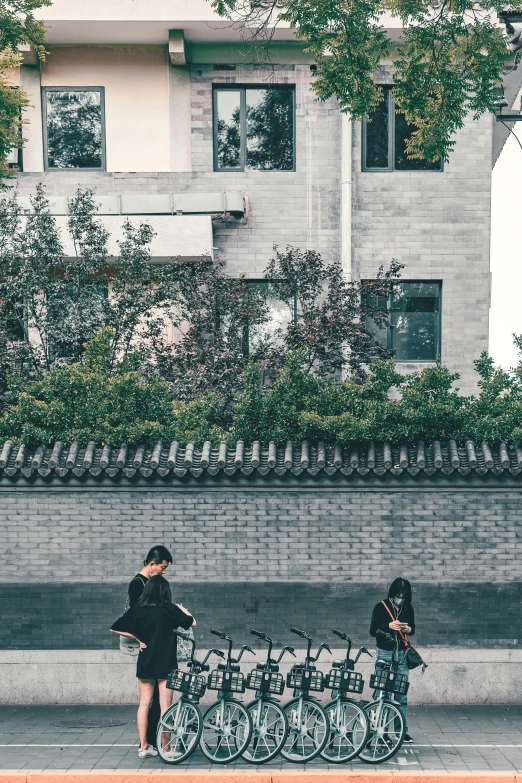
<point x="484" y="739"/>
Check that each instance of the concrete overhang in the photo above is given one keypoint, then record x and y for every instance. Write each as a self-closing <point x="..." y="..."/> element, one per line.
<point x="149" y="22"/>
<point x="176" y="238"/>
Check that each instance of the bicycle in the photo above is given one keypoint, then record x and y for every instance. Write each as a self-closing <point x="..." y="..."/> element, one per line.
<point x="309" y="726"/>
<point x="180" y="726"/>
<point x="227" y="725"/>
<point x="269" y="721"/>
<point x="349" y="724"/>
<point x="387" y="724"/>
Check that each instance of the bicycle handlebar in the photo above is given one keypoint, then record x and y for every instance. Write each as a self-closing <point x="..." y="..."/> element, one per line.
<point x="340" y="634"/>
<point x="220" y="634"/>
<point x="260" y="635"/>
<point x="302" y="634"/>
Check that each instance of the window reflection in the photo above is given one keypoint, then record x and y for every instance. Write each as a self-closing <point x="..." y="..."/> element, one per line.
<point x="74" y="129"/>
<point x="385" y="136"/>
<point x="254" y="128"/>
<point x="228" y="129"/>
<point x="270" y="129"/>
<point x="280" y="316"/>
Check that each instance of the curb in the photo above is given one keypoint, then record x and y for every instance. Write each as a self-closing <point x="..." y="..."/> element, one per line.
<point x="251" y="776"/>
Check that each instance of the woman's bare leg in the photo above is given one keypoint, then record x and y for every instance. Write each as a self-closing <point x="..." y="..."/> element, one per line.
<point x="165" y="697"/>
<point x="146" y="690"/>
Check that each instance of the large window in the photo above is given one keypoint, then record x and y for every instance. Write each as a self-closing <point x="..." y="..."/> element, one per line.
<point x="254" y="128"/>
<point x="384" y="140"/>
<point x="74" y="128"/>
<point x="413" y="331"/>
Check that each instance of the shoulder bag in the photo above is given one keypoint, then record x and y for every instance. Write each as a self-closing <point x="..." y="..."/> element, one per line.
<point x="412" y="657"/>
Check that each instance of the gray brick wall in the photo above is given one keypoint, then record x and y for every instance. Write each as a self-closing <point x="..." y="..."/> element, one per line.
<point x="437" y="224"/>
<point x="243" y="558"/>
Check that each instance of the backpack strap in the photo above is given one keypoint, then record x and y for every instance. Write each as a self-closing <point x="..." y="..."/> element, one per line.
<point x="401" y="634"/>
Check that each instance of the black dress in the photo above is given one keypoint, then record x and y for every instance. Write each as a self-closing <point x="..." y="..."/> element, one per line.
<point x="153" y="625"/>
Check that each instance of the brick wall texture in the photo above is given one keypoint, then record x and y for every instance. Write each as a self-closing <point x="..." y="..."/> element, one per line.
<point x="437" y="224"/>
<point x="268" y="559"/>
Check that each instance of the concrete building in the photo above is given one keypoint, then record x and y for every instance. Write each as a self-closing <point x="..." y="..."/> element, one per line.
<point x="166" y="90"/>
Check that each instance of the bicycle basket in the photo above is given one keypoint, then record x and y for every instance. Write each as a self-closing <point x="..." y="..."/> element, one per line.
<point x="346" y="681"/>
<point x="227" y="682"/>
<point x="266" y="682"/>
<point x="389" y="681"/>
<point x="190" y="684"/>
<point x="305" y="680"/>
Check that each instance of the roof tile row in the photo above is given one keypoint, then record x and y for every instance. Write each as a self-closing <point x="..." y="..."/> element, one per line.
<point x="445" y="456"/>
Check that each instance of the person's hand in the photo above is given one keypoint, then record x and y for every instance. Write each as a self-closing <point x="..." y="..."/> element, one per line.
<point x="180" y="606"/>
<point x="406" y="628"/>
<point x="143" y="646"/>
<point x="395" y="625"/>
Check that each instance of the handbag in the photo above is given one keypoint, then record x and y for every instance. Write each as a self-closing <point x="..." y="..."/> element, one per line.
<point x="184" y="649"/>
<point x="412" y="656"/>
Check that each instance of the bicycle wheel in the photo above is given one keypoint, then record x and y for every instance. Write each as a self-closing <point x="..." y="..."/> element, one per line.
<point x="269" y="731"/>
<point x="387" y="731"/>
<point x="179" y="732"/>
<point x="349" y="730"/>
<point x="227" y="729"/>
<point x="309" y="729"/>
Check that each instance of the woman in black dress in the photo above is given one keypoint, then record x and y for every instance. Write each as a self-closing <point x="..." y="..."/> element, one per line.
<point x="151" y="622"/>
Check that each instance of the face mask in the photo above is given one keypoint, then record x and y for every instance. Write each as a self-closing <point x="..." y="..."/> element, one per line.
<point x="398" y="601"/>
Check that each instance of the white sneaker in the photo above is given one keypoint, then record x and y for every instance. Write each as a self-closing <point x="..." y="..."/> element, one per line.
<point x="148" y="751"/>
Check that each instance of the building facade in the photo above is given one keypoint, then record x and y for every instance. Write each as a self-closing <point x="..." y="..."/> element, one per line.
<point x="225" y="150"/>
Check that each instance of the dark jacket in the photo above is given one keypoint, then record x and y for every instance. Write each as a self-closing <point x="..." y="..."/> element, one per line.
<point x="381" y="622"/>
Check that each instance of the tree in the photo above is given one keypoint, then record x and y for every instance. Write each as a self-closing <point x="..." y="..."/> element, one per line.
<point x="53" y="304"/>
<point x="17" y="26"/>
<point x="448" y="63"/>
<point x="332" y="314"/>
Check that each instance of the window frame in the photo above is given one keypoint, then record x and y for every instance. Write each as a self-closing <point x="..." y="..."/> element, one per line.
<point x="101" y="90"/>
<point x="242" y="88"/>
<point x="391" y="143"/>
<point x="390" y="328"/>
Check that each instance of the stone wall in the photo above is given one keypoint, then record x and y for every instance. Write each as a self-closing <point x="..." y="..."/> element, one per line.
<point x="270" y="559"/>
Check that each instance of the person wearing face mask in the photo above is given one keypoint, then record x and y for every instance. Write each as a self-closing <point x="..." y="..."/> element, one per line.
<point x="393" y="615"/>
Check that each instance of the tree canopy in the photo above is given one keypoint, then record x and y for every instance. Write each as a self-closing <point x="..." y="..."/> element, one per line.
<point x="447" y="64"/>
<point x="18" y="26"/>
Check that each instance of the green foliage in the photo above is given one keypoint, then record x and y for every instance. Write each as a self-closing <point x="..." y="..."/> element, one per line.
<point x="97" y="399"/>
<point x="17" y="26"/>
<point x="447" y="63"/>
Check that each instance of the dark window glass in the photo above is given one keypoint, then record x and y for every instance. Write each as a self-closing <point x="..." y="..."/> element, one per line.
<point x="414" y="325"/>
<point x="403" y="131"/>
<point x="254" y="129"/>
<point x="74" y="129"/>
<point x="228" y="107"/>
<point x="270" y="129"/>
<point x="377" y="135"/>
<point x="384" y="140"/>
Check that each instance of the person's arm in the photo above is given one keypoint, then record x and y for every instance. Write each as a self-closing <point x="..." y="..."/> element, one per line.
<point x="179" y="617"/>
<point x="130" y="636"/>
<point x="136" y="588"/>
<point x="410" y="623"/>
<point x="375" y="623"/>
<point x="180" y="606"/>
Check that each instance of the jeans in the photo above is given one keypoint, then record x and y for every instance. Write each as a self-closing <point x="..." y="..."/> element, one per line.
<point x="401" y="699"/>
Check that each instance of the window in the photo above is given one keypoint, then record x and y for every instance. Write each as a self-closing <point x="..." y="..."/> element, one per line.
<point x="12" y="321"/>
<point x="74" y="132"/>
<point x="254" y="129"/>
<point x="384" y="140"/>
<point x="414" y="323"/>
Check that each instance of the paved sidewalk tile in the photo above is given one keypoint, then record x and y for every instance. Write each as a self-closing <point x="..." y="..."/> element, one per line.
<point x="447" y="738"/>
